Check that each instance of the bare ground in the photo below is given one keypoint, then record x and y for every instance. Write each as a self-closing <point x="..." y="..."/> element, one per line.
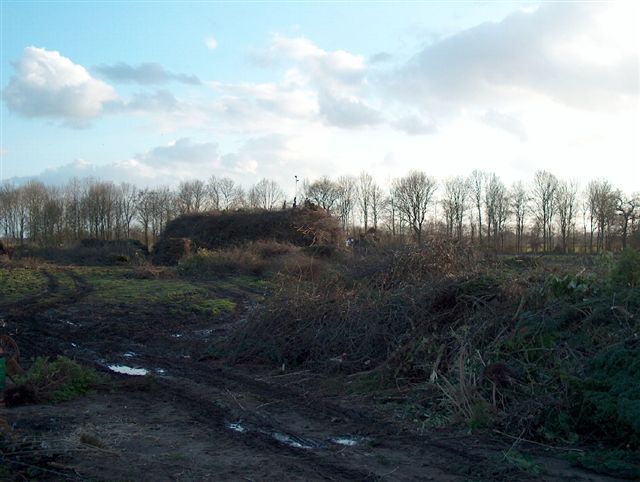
<point x="195" y="419"/>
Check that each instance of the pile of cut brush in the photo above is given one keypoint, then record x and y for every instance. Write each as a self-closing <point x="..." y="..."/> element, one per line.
<point x="554" y="356"/>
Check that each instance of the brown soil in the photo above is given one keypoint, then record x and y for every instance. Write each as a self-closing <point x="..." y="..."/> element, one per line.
<point x="196" y="419"/>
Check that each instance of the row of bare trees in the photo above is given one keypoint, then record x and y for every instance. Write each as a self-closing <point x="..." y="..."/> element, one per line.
<point x="90" y="208"/>
<point x="547" y="214"/>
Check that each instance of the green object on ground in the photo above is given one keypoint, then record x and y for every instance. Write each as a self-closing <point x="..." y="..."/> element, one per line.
<point x="3" y="372"/>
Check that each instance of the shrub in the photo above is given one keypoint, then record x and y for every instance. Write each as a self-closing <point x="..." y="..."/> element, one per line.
<point x="56" y="380"/>
<point x="223" y="230"/>
<point x="269" y="249"/>
<point x="607" y="398"/>
<point x="169" y="251"/>
<point x="205" y="263"/>
<point x="626" y="271"/>
<point x="87" y="252"/>
<point x="539" y="353"/>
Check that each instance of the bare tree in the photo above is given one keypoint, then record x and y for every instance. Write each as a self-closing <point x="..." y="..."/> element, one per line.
<point x="265" y="194"/>
<point x="346" y="190"/>
<point x="74" y="194"/>
<point x="377" y="200"/>
<point x="231" y="195"/>
<point x="627" y="207"/>
<point x="13" y="211"/>
<point x="144" y="211"/>
<point x="413" y="194"/>
<point x="519" y="207"/>
<point x="322" y="192"/>
<point x="191" y="196"/>
<point x="454" y="203"/>
<point x="126" y="208"/>
<point x="566" y="195"/>
<point x="365" y="192"/>
<point x="496" y="208"/>
<point x="476" y="183"/>
<point x="545" y="185"/>
<point x="213" y="191"/>
<point x="602" y="210"/>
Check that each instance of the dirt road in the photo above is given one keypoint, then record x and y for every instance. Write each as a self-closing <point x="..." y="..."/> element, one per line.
<point x="194" y="419"/>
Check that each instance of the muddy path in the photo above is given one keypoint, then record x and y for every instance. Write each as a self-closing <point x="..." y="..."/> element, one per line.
<point x="195" y="419"/>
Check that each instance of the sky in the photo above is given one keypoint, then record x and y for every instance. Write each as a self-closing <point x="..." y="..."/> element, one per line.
<point x="156" y="92"/>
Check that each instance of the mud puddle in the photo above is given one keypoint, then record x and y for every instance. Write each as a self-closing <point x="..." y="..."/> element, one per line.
<point x="126" y="370"/>
<point x="297" y="441"/>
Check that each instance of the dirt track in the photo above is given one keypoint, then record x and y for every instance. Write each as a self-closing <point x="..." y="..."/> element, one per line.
<point x="197" y="419"/>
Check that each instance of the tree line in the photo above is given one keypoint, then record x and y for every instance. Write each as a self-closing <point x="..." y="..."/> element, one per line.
<point x="546" y="214"/>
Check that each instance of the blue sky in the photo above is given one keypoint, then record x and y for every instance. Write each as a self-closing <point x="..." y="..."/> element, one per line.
<point x="132" y="91"/>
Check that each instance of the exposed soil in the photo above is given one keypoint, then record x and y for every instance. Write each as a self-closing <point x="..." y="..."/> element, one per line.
<point x="196" y="419"/>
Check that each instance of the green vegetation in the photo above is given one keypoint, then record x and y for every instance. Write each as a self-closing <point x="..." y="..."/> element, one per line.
<point x="210" y="264"/>
<point x="17" y="283"/>
<point x="216" y="306"/>
<point x="58" y="380"/>
<point x="618" y="463"/>
<point x="549" y="354"/>
<point x="123" y="287"/>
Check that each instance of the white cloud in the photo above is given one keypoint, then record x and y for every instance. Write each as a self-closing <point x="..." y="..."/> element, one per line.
<point x="263" y="104"/>
<point x="46" y="84"/>
<point x="555" y="51"/>
<point x="554" y="87"/>
<point x="211" y="43"/>
<point x="182" y="159"/>
<point x="337" y="68"/>
<point x="347" y="112"/>
<point x="508" y="123"/>
<point x="181" y="153"/>
<point x="147" y="73"/>
<point x="414" y="125"/>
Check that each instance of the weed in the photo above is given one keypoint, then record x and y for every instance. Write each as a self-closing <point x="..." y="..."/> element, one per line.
<point x="216" y="307"/>
<point x="58" y="380"/>
<point x="17" y="283"/>
<point x="538" y="352"/>
<point x="626" y="271"/>
<point x="616" y="463"/>
<point x="217" y="352"/>
<point x="523" y="462"/>
<point x="212" y="264"/>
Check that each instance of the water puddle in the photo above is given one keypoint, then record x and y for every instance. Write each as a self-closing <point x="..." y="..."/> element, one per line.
<point x="236" y="427"/>
<point x="296" y="441"/>
<point x="348" y="440"/>
<point x="125" y="370"/>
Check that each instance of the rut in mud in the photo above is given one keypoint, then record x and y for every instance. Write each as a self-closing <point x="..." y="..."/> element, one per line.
<point x="197" y="419"/>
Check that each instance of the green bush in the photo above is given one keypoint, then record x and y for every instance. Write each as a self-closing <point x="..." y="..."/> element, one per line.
<point x="617" y="463"/>
<point x="626" y="271"/>
<point x="59" y="379"/>
<point x="607" y="398"/>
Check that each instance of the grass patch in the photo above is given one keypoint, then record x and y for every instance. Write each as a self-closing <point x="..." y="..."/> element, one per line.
<point x="216" y="306"/>
<point x="124" y="287"/>
<point x="18" y="283"/>
<point x="616" y="463"/>
<point x="54" y="380"/>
